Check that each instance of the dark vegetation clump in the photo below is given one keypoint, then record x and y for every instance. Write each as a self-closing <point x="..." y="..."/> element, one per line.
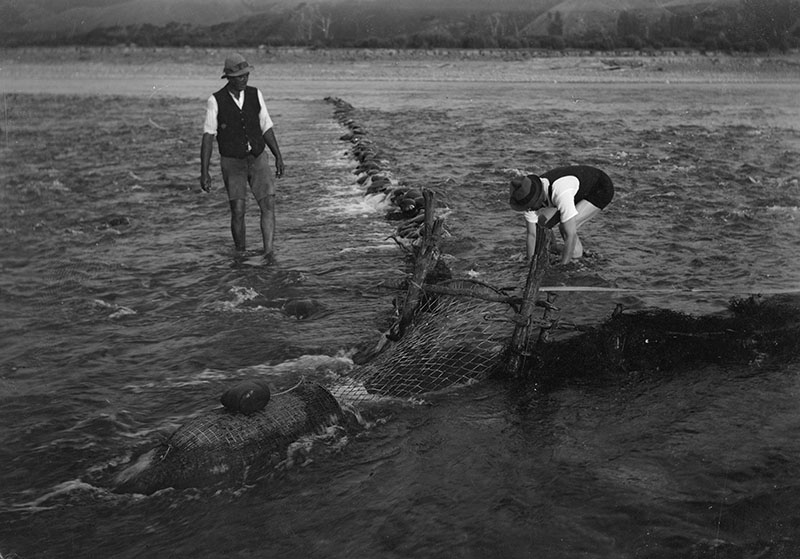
<point x="660" y="341"/>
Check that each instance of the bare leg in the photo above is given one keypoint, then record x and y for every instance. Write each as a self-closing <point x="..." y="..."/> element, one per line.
<point x="586" y="211"/>
<point x="237" y="224"/>
<point x="267" y="205"/>
<point x="578" y="250"/>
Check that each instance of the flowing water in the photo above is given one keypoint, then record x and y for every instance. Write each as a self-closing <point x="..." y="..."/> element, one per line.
<point x="125" y="312"/>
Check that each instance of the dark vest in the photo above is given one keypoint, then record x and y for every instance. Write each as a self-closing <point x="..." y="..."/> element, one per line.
<point x="587" y="176"/>
<point x="236" y="128"/>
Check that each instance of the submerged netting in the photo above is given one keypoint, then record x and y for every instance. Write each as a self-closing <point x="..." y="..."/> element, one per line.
<point x="222" y="445"/>
<point x="455" y="340"/>
<point x="291" y="412"/>
<point x="459" y="339"/>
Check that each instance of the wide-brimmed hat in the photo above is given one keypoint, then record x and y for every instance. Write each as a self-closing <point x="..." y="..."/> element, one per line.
<point x="236" y="65"/>
<point x="527" y="193"/>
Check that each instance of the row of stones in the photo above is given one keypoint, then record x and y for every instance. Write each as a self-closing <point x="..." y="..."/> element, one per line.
<point x="407" y="204"/>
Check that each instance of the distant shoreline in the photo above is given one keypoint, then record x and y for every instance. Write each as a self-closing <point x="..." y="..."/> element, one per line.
<point x="31" y="69"/>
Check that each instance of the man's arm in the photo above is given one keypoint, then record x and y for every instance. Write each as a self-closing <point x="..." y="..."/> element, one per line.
<point x="205" y="160"/>
<point x="272" y="144"/>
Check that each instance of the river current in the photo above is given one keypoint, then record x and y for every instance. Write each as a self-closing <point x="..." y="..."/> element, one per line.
<point x="125" y="312"/>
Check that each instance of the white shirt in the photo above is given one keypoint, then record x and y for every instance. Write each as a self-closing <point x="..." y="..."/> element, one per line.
<point x="564" y="191"/>
<point x="210" y="125"/>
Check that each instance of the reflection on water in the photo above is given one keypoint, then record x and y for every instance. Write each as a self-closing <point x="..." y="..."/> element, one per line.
<point x="125" y="313"/>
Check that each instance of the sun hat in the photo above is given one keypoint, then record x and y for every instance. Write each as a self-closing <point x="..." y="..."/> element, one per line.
<point x="526" y="193"/>
<point x="236" y="65"/>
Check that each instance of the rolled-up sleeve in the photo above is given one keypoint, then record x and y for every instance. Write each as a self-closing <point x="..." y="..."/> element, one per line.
<point x="263" y="115"/>
<point x="564" y="191"/>
<point x="210" y="124"/>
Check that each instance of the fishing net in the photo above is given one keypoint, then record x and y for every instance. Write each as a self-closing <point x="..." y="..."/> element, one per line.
<point x="223" y="445"/>
<point x="459" y="336"/>
<point x="289" y="414"/>
<point x="464" y="336"/>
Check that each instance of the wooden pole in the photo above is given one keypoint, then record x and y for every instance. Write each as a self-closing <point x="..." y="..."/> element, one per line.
<point x="518" y="350"/>
<point x="549" y="310"/>
<point x="424" y="262"/>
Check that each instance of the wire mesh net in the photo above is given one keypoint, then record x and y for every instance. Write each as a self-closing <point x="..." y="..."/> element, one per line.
<point x="288" y="413"/>
<point x="456" y="339"/>
<point x="222" y="445"/>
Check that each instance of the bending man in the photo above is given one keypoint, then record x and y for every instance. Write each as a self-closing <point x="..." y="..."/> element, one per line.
<point x="567" y="196"/>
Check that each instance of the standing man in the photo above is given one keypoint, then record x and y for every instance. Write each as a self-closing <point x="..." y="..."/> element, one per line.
<point x="567" y="196"/>
<point x="238" y="117"/>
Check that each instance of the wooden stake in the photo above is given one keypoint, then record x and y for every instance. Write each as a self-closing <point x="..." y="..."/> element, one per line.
<point x="520" y="341"/>
<point x="425" y="261"/>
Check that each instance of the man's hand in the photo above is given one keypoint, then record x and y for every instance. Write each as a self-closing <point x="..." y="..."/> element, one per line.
<point x="205" y="157"/>
<point x="278" y="166"/>
<point x="205" y="182"/>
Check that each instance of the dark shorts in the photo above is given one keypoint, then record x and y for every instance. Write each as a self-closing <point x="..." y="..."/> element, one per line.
<point x="251" y="171"/>
<point x="601" y="192"/>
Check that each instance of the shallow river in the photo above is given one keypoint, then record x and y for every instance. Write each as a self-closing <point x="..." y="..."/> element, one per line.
<point x="125" y="313"/>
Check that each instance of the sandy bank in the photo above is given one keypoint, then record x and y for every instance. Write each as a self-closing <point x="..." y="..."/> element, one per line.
<point x="418" y="65"/>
